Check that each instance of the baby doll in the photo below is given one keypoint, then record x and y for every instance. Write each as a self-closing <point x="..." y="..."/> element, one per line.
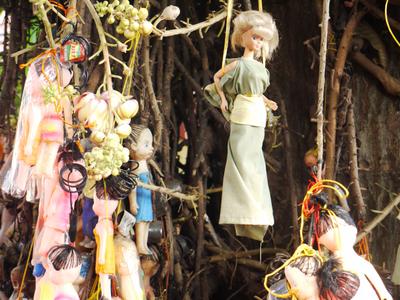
<point x="105" y="202"/>
<point x="62" y="269"/>
<point x="301" y="276"/>
<point x="127" y="260"/>
<point x="55" y="215"/>
<point x="335" y="283"/>
<point x="338" y="234"/>
<point x="238" y="90"/>
<point x="140" y="145"/>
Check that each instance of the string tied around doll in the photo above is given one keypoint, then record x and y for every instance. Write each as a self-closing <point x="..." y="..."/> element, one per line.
<point x="303" y="250"/>
<point x="311" y="208"/>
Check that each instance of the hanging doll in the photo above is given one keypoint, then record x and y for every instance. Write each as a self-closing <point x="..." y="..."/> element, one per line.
<point x="301" y="276"/>
<point x="62" y="269"/>
<point x="55" y="215"/>
<point x="238" y="90"/>
<point x="105" y="202"/>
<point x="338" y="234"/>
<point x="127" y="260"/>
<point x="140" y="145"/>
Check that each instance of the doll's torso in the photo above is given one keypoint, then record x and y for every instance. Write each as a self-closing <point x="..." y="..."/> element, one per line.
<point x="104" y="229"/>
<point x="246" y="85"/>
<point x="143" y="199"/>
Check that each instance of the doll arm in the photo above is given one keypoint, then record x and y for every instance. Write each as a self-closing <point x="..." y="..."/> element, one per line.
<point x="103" y="243"/>
<point x="217" y="78"/>
<point x="132" y="202"/>
<point x="374" y="278"/>
<point x="269" y="103"/>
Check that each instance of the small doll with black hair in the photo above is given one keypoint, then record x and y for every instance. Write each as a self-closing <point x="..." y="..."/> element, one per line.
<point x="140" y="145"/>
<point x="105" y="201"/>
<point x="336" y="284"/>
<point x="337" y="232"/>
<point x="129" y="271"/>
<point x="301" y="276"/>
<point x="62" y="269"/>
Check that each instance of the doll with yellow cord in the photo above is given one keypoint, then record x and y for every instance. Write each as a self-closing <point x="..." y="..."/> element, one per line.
<point x="238" y="90"/>
<point x="301" y="276"/>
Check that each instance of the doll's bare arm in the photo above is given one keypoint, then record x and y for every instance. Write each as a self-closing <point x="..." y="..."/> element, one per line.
<point x="132" y="202"/>
<point x="269" y="103"/>
<point x="374" y="278"/>
<point x="217" y="79"/>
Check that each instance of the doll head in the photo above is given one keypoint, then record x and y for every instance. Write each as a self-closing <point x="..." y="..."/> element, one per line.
<point x="302" y="276"/>
<point x="140" y="142"/>
<point x="261" y="24"/>
<point x="16" y="276"/>
<point x="103" y="204"/>
<point x="336" y="231"/>
<point x="63" y="264"/>
<point x="335" y="283"/>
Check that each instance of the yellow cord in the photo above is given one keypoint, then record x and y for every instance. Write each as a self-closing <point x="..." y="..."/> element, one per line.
<point x="260" y="5"/>
<point x="324" y="183"/>
<point x="388" y="24"/>
<point x="227" y="31"/>
<point x="25" y="270"/>
<point x="302" y="250"/>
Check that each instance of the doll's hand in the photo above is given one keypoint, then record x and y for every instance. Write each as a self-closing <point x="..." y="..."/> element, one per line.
<point x="271" y="104"/>
<point x="224" y="105"/>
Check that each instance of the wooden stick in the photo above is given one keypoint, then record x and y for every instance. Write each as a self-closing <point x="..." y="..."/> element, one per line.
<point x="190" y="28"/>
<point x="167" y="191"/>
<point x="232" y="255"/>
<point x="355" y="182"/>
<point x="389" y="83"/>
<point x="321" y="85"/>
<point x="341" y="57"/>
<point x="379" y="218"/>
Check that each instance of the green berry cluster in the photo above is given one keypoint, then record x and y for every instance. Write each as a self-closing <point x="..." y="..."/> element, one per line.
<point x="130" y="19"/>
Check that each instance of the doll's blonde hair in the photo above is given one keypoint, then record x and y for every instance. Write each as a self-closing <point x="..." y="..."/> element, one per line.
<point x="259" y="21"/>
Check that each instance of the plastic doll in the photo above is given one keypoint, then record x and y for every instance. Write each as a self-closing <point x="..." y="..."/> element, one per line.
<point x="335" y="283"/>
<point x="127" y="260"/>
<point x="62" y="269"/>
<point x="105" y="202"/>
<point x="140" y="145"/>
<point x="338" y="234"/>
<point x="301" y="276"/>
<point x="55" y="214"/>
<point x="238" y="90"/>
<point x="16" y="280"/>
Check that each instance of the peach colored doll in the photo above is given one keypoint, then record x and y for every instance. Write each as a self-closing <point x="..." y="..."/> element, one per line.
<point x="338" y="234"/>
<point x="127" y="261"/>
<point x="104" y="206"/>
<point x="62" y="269"/>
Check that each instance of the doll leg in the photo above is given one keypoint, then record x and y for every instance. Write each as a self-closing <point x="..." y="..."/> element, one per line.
<point x="147" y="226"/>
<point x="105" y="284"/>
<point x="141" y="237"/>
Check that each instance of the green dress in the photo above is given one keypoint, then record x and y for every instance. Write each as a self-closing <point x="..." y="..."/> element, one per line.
<point x="246" y="200"/>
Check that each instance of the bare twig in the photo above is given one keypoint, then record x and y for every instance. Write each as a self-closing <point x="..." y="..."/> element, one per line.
<point x="355" y="182"/>
<point x="321" y="85"/>
<point x="379" y="218"/>
<point x="335" y="89"/>
<point x="190" y="28"/>
<point x="167" y="191"/>
<point x="378" y="13"/>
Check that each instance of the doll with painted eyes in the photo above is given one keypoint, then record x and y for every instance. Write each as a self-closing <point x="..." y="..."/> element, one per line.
<point x="62" y="269"/>
<point x="238" y="90"/>
<point x="337" y="232"/>
<point x="140" y="145"/>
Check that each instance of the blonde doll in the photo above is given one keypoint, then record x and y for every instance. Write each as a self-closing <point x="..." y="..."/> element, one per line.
<point x="238" y="90"/>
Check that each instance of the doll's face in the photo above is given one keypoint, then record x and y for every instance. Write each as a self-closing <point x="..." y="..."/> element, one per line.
<point x="304" y="286"/>
<point x="340" y="237"/>
<point x="143" y="149"/>
<point x="252" y="41"/>
<point x="63" y="276"/>
<point x="102" y="207"/>
<point x="16" y="277"/>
